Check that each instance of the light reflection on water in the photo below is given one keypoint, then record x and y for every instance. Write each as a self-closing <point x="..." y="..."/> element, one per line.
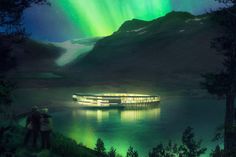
<point x="124" y="115"/>
<point x="135" y="115"/>
<point x="142" y="129"/>
<point x="113" y="126"/>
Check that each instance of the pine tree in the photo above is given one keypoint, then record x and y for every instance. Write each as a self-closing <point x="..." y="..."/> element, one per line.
<point x="112" y="152"/>
<point x="100" y="148"/>
<point x="190" y="147"/>
<point x="131" y="152"/>
<point x="223" y="83"/>
<point x="217" y="152"/>
<point x="12" y="33"/>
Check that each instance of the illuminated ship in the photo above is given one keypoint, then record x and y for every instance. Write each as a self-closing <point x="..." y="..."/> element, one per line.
<point x="115" y="100"/>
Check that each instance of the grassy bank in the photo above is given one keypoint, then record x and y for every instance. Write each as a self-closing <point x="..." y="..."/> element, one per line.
<point x="61" y="146"/>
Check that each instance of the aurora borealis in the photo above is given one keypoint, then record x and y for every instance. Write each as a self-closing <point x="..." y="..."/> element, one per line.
<point x="96" y="18"/>
<point x="68" y="19"/>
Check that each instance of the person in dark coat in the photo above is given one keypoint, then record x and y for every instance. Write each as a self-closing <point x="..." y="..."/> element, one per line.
<point x="33" y="126"/>
<point x="45" y="129"/>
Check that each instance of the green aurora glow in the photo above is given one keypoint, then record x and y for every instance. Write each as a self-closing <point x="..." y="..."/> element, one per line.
<point x="103" y="17"/>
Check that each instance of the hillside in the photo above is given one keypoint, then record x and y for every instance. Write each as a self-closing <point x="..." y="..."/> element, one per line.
<point x="60" y="145"/>
<point x="37" y="56"/>
<point x="45" y="63"/>
<point x="169" y="52"/>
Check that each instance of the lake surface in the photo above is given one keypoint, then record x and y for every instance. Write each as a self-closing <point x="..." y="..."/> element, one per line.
<point x="143" y="129"/>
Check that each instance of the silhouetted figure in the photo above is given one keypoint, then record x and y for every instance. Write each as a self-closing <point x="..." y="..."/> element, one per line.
<point x="45" y="128"/>
<point x="33" y="126"/>
<point x="235" y="115"/>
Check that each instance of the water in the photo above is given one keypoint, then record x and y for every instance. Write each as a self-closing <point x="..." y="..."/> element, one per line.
<point x="143" y="129"/>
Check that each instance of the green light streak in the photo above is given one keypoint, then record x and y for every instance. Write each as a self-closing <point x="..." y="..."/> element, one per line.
<point x="103" y="17"/>
<point x="83" y="127"/>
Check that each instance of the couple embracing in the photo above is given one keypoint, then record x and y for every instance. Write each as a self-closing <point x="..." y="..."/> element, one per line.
<point x="38" y="123"/>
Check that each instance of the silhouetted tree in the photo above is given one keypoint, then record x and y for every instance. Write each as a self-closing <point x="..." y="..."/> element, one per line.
<point x="11" y="12"/>
<point x="112" y="152"/>
<point x="189" y="147"/>
<point x="131" y="152"/>
<point x="217" y="152"/>
<point x="6" y="88"/>
<point x="100" y="148"/>
<point x="168" y="151"/>
<point x="223" y="84"/>
<point x="12" y="33"/>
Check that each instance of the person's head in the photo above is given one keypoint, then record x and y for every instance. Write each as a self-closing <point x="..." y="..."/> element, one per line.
<point x="35" y="108"/>
<point x="44" y="111"/>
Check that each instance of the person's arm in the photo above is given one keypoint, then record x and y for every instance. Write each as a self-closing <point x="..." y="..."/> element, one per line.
<point x="27" y="121"/>
<point x="50" y="123"/>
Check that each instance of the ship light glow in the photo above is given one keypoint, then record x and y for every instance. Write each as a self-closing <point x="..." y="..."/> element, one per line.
<point x="114" y="99"/>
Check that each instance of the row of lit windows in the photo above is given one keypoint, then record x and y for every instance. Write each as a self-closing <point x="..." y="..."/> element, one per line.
<point x="104" y="100"/>
<point x="94" y="104"/>
<point x="140" y="100"/>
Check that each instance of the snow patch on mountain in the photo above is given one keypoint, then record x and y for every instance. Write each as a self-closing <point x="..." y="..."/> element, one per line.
<point x="141" y="33"/>
<point x="74" y="49"/>
<point x="137" y="30"/>
<point x="196" y="19"/>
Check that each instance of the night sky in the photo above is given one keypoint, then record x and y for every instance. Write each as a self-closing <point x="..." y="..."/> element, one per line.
<point x="70" y="19"/>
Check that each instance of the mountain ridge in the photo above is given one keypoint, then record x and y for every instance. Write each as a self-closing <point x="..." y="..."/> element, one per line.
<point x="170" y="52"/>
<point x="174" y="46"/>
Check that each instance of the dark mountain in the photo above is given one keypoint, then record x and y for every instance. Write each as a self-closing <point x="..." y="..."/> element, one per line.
<point x="35" y="60"/>
<point x="37" y="56"/>
<point x="169" y="52"/>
